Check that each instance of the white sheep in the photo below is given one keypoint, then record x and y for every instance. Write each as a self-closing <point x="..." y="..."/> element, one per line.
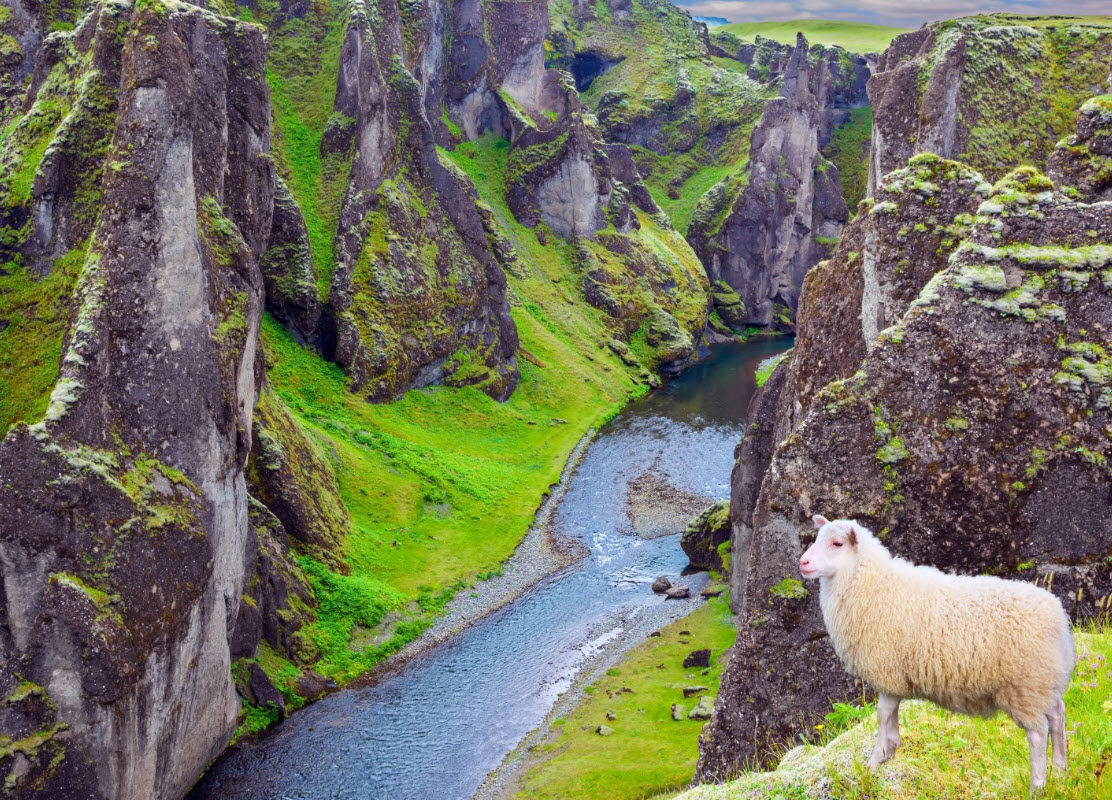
<point x="976" y="645"/>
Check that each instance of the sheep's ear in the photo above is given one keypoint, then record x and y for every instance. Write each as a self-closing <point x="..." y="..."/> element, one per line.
<point x="819" y="520"/>
<point x="852" y="537"/>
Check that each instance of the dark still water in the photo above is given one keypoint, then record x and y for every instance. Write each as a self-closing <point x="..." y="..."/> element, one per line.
<point x="436" y="727"/>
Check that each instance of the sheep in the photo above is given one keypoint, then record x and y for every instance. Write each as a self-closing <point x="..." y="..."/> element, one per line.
<point x="975" y="645"/>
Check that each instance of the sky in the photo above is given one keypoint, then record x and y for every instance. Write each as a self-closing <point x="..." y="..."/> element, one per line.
<point x="900" y="13"/>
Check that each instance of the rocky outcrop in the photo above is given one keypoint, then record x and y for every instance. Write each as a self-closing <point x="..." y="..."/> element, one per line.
<point x="124" y="510"/>
<point x="1083" y="162"/>
<point x="417" y="297"/>
<point x="292" y="477"/>
<point x="705" y="534"/>
<point x="971" y="433"/>
<point x="287" y="267"/>
<point x="762" y="234"/>
<point x="990" y="91"/>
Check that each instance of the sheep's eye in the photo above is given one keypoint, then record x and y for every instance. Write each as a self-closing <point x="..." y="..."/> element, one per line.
<point x="837" y="544"/>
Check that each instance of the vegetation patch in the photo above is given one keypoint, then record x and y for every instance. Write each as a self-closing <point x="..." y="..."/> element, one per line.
<point x="649" y="751"/>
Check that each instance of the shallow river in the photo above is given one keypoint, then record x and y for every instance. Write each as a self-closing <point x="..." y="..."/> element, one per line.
<point x="433" y="729"/>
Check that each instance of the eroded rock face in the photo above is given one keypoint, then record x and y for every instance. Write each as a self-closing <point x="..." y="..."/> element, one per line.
<point x="983" y="90"/>
<point x="972" y="435"/>
<point x="417" y="297"/>
<point x="762" y="239"/>
<point x="124" y="512"/>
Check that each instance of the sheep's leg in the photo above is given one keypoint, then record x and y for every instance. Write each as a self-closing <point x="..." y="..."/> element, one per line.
<point x="888" y="730"/>
<point x="1057" y="719"/>
<point x="1036" y="740"/>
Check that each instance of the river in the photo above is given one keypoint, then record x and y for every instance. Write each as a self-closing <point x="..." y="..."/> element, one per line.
<point x="433" y="729"/>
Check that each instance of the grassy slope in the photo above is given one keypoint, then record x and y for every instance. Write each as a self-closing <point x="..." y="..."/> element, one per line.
<point x="944" y="755"/>
<point x="442" y="484"/>
<point x="857" y="37"/>
<point x="648" y="752"/>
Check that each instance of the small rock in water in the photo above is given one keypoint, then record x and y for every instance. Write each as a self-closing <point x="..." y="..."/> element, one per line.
<point x="697" y="658"/>
<point x="690" y="690"/>
<point x="678" y="712"/>
<point x="604" y="730"/>
<point x="703" y="710"/>
<point x="661" y="584"/>
<point x="678" y="593"/>
<point x="610" y="715"/>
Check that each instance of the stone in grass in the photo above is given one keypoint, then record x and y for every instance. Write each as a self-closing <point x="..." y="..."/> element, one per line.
<point x="678" y="712"/>
<point x="714" y="590"/>
<point x="610" y="715"/>
<point x="697" y="658"/>
<point x="678" y="593"/>
<point x="688" y="691"/>
<point x="604" y="730"/>
<point x="703" y="710"/>
<point x="661" y="585"/>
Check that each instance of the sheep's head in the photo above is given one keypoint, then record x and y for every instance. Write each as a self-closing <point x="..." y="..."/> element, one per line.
<point x="835" y="548"/>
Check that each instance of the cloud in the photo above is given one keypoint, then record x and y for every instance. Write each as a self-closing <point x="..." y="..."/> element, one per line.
<point x="884" y="12"/>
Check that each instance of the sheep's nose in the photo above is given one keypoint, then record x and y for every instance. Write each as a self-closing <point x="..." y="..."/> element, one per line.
<point x="804" y="561"/>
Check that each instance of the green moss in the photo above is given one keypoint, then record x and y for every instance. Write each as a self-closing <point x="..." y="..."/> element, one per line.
<point x="99" y="598"/>
<point x="301" y="72"/>
<point x="893" y="452"/>
<point x="789" y="589"/>
<point x="36" y="311"/>
<point x="768" y="366"/>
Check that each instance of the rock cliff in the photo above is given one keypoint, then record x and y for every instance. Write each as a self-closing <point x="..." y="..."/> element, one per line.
<point x="140" y="170"/>
<point x="991" y="91"/>
<point x="949" y="390"/>
<point x="728" y="135"/>
<point x="763" y="235"/>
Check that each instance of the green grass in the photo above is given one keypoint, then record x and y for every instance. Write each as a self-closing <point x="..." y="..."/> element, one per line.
<point x="768" y="366"/>
<point x="442" y="484"/>
<point x="648" y="752"/>
<point x="849" y="152"/>
<point x="658" y="50"/>
<point x="857" y="37"/>
<point x="301" y="72"/>
<point x="951" y="756"/>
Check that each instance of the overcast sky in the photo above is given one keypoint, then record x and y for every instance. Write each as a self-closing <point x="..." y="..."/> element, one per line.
<point x="902" y="13"/>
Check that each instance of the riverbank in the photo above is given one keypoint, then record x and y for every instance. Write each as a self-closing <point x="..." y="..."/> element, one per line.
<point x="542" y="554"/>
<point x="631" y="689"/>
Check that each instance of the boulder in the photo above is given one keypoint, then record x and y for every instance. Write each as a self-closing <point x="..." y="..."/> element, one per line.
<point x="697" y="658"/>
<point x="678" y="593"/>
<point x="661" y="585"/>
<point x="679" y="712"/>
<point x="689" y="691"/>
<point x="703" y="710"/>
<point x="705" y="534"/>
<point x="604" y="730"/>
